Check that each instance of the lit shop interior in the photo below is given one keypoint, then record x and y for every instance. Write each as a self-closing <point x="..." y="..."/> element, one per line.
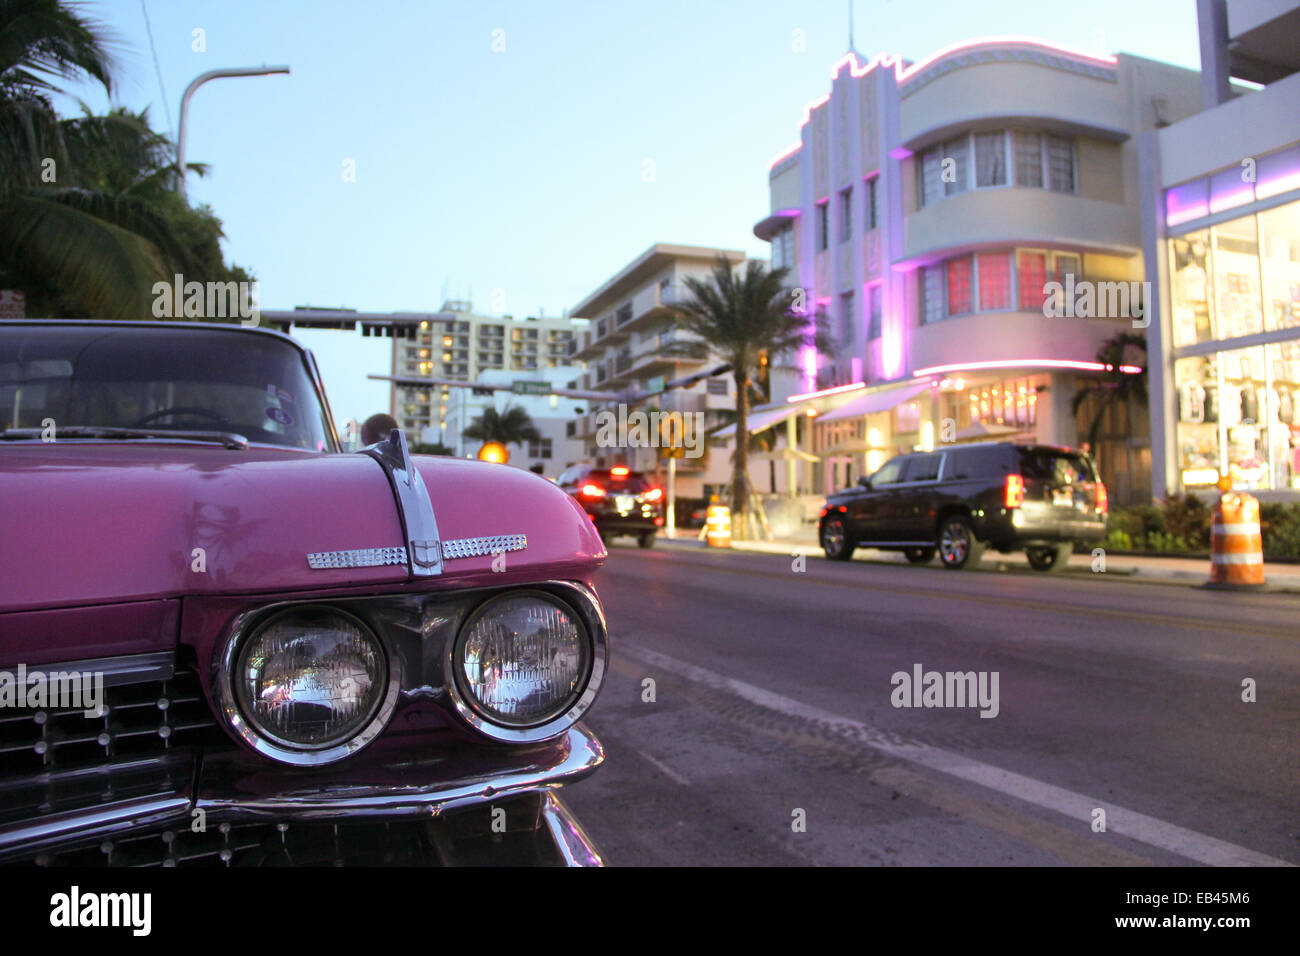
<point x="1237" y="283"/>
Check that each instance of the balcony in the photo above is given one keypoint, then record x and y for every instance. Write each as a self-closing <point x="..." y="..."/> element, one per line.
<point x="647" y="357"/>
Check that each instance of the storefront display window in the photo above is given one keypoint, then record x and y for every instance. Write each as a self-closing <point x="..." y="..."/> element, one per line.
<point x="1236" y="279"/>
<point x="1189" y="268"/>
<point x="1237" y="417"/>
<point x="1279" y="231"/>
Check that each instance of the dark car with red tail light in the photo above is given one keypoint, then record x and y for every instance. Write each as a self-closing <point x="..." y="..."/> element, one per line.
<point x="1042" y="499"/>
<point x="619" y="501"/>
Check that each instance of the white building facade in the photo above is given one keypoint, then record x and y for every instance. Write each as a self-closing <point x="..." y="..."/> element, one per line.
<point x="925" y="210"/>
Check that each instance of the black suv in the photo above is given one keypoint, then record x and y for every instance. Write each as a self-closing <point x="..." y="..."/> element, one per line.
<point x="959" y="500"/>
<point x="618" y="501"/>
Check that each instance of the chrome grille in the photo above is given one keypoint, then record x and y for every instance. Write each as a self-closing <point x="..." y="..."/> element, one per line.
<point x="138" y="720"/>
<point x="269" y="843"/>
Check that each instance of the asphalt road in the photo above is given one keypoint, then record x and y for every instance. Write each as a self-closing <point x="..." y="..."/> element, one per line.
<point x="773" y="736"/>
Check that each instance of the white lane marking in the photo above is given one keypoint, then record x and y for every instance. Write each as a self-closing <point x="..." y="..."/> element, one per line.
<point x="666" y="770"/>
<point x="1138" y="826"/>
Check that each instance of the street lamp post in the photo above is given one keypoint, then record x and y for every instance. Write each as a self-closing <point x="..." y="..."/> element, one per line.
<point x="189" y="92"/>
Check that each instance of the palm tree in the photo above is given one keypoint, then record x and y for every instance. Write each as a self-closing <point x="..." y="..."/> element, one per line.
<point x="89" y="219"/>
<point x="514" y="426"/>
<point x="745" y="318"/>
<point x="1114" y="387"/>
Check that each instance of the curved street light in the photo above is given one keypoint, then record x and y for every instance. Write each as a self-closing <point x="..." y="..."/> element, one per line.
<point x="189" y="92"/>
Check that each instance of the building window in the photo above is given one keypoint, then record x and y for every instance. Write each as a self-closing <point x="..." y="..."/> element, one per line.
<point x="994" y="281"/>
<point x="716" y="386"/>
<point x="960" y="299"/>
<point x="932" y="294"/>
<point x="848" y="323"/>
<point x="783" y="248"/>
<point x="872" y="211"/>
<point x="931" y="176"/>
<point x="958" y="151"/>
<point x="1033" y="279"/>
<point x="540" y="449"/>
<point x="990" y="159"/>
<point x="1037" y="159"/>
<point x="1029" y="159"/>
<point x="874" y="298"/>
<point x="846" y="214"/>
<point x="1060" y="164"/>
<point x="823" y="226"/>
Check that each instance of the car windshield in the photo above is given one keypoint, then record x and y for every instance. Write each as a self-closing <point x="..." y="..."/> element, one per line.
<point x="159" y="380"/>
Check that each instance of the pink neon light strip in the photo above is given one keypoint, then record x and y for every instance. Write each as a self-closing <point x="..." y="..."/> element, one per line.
<point x="901" y="74"/>
<point x="783" y="155"/>
<point x="1026" y="363"/>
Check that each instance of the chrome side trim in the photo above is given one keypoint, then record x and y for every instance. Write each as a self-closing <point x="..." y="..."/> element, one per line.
<point x="419" y="525"/>
<point x="357" y="558"/>
<point x="476" y="547"/>
<point x="575" y="847"/>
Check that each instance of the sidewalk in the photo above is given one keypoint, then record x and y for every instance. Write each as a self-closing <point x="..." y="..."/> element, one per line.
<point x="1169" y="570"/>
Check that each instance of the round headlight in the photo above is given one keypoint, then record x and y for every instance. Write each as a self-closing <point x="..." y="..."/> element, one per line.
<point x="522" y="659"/>
<point x="310" y="678"/>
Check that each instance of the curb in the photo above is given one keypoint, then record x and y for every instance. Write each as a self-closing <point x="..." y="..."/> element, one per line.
<point x="1181" y="578"/>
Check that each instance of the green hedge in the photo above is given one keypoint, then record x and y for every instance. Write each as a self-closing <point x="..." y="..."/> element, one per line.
<point x="1182" y="524"/>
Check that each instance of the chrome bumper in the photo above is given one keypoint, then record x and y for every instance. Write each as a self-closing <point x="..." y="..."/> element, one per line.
<point x="567" y="759"/>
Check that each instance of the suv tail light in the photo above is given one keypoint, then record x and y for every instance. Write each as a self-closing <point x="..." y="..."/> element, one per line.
<point x="1103" y="499"/>
<point x="593" y="491"/>
<point x="619" y="471"/>
<point x="654" y="494"/>
<point x="1015" y="491"/>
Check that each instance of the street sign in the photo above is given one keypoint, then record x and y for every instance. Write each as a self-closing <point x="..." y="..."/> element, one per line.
<point x="678" y="452"/>
<point x="531" y="388"/>
<point x="655" y="385"/>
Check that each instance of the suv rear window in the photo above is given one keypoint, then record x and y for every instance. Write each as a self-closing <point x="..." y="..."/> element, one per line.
<point x="633" y="482"/>
<point x="1054" y="465"/>
<point x="992" y="462"/>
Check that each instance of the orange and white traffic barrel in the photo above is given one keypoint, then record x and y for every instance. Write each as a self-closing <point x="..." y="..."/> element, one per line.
<point x="1236" y="544"/>
<point x="718" y="522"/>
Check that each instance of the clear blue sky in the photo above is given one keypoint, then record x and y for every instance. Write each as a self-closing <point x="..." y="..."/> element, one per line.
<point x="520" y="171"/>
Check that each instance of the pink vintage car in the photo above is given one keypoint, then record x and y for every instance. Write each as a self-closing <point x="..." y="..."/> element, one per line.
<point x="223" y="641"/>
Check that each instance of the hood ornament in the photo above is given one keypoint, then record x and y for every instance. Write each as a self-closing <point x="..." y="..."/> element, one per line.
<point x="414" y="508"/>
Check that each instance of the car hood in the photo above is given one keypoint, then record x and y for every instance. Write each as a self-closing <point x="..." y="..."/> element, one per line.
<point x="93" y="523"/>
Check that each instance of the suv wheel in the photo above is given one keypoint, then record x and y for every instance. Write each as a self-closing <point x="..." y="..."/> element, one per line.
<point x="646" y="540"/>
<point x="958" y="547"/>
<point x="919" y="555"/>
<point x="1051" y="558"/>
<point x="835" y="540"/>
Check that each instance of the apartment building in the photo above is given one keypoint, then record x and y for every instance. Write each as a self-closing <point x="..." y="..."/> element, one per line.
<point x="927" y="209"/>
<point x="457" y="344"/>
<point x="629" y="327"/>
<point x="1222" y="247"/>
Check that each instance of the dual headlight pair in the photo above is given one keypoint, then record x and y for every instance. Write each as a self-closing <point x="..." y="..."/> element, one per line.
<point x="313" y="684"/>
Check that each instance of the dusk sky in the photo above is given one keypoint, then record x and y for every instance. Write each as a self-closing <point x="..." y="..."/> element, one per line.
<point x="527" y="175"/>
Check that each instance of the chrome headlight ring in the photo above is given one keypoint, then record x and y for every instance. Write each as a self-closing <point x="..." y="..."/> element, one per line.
<point x="259" y="740"/>
<point x="579" y="601"/>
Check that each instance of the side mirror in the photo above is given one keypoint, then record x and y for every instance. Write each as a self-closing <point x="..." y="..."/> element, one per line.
<point x="865" y="483"/>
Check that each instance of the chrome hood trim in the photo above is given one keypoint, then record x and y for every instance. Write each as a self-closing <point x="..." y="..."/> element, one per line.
<point x="419" y="526"/>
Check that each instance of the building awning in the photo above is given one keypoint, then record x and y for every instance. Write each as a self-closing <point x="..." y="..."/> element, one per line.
<point x="761" y="419"/>
<point x="765" y="229"/>
<point x="878" y="401"/>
